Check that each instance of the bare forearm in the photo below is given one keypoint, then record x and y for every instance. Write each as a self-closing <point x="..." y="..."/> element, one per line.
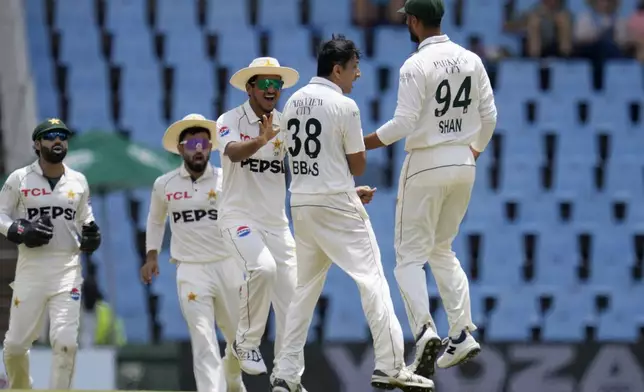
<point x="238" y="151"/>
<point x="372" y="141"/>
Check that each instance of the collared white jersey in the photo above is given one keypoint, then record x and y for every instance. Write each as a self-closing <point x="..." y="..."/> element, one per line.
<point x="27" y="194"/>
<point x="444" y="97"/>
<point x="255" y="188"/>
<point x="191" y="207"/>
<point x="321" y="127"/>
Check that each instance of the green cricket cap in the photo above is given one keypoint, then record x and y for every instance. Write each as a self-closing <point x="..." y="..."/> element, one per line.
<point x="431" y="10"/>
<point x="51" y="124"/>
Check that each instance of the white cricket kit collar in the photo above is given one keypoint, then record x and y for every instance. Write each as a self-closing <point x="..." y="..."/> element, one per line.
<point x="433" y="40"/>
<point x="252" y="117"/>
<point x="208" y="173"/>
<point x="325" y="82"/>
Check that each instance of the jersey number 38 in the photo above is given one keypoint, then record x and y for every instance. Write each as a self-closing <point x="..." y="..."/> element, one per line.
<point x="310" y="141"/>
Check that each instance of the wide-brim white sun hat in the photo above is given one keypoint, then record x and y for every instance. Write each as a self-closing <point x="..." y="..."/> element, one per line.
<point x="171" y="136"/>
<point x="264" y="66"/>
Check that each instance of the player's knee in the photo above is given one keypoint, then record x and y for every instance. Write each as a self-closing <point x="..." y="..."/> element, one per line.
<point x="15" y="348"/>
<point x="443" y="257"/>
<point x="65" y="342"/>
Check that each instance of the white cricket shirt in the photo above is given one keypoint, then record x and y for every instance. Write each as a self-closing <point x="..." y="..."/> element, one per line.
<point x="321" y="127"/>
<point x="27" y="194"/>
<point x="444" y="98"/>
<point x="255" y="188"/>
<point x="191" y="207"/>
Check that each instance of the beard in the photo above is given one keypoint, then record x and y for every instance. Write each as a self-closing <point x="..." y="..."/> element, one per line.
<point x="197" y="167"/>
<point x="413" y="37"/>
<point x="53" y="157"/>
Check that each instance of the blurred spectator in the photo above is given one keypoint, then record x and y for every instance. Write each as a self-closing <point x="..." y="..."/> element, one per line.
<point x="375" y="12"/>
<point x="635" y="27"/>
<point x="599" y="32"/>
<point x="549" y="30"/>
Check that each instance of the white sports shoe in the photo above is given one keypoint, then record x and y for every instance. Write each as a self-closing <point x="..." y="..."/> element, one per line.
<point x="458" y="350"/>
<point x="404" y="379"/>
<point x="428" y="344"/>
<point x="250" y="361"/>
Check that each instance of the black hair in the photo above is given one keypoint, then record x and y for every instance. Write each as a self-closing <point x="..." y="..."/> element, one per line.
<point x="338" y="50"/>
<point x="193" y="131"/>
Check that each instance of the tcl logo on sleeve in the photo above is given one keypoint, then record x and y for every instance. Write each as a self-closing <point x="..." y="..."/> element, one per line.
<point x="35" y="192"/>
<point x="177" y="196"/>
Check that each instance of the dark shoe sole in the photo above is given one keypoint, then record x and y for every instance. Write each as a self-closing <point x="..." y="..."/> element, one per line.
<point x="427" y="364"/>
<point x="471" y="355"/>
<point x="389" y="387"/>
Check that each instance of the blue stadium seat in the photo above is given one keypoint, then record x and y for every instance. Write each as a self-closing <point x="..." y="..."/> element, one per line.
<point x="126" y="15"/>
<point x="518" y="79"/>
<point x="330" y="12"/>
<point x="514" y="314"/>
<point x="570" y="79"/>
<point x="393" y="47"/>
<point x="228" y="48"/>
<point x="501" y="268"/>
<point x="572" y="309"/>
<point x="173" y="16"/>
<point x="618" y="323"/>
<point x="225" y="14"/>
<point x="289" y="46"/>
<point x="185" y="47"/>
<point x="279" y="14"/>
<point x="556" y="256"/>
<point x="608" y="113"/>
<point x="79" y="45"/>
<point x="624" y="80"/>
<point x="624" y="179"/>
<point x="74" y="13"/>
<point x="132" y="50"/>
<point x="483" y="17"/>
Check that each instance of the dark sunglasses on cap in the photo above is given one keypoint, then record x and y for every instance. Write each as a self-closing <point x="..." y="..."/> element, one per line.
<point x="53" y="135"/>
<point x="265" y="84"/>
<point x="196" y="144"/>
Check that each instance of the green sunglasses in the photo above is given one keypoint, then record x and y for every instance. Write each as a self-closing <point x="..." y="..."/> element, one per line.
<point x="265" y="84"/>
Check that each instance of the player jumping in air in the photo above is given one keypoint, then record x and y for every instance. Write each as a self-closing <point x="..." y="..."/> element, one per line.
<point x="447" y="114"/>
<point x="45" y="210"/>
<point x="326" y="150"/>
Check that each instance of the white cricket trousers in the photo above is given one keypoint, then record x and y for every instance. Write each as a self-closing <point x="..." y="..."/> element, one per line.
<point x="336" y="229"/>
<point x="209" y="292"/>
<point x="434" y="191"/>
<point x="267" y="256"/>
<point x="35" y="291"/>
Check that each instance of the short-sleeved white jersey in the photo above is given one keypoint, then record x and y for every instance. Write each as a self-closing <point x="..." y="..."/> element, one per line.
<point x="444" y="97"/>
<point x="321" y="127"/>
<point x="255" y="188"/>
<point x="27" y="194"/>
<point x="191" y="207"/>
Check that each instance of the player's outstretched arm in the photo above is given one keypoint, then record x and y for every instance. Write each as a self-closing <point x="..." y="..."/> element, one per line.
<point x="237" y="150"/>
<point x="155" y="229"/>
<point x="411" y="100"/>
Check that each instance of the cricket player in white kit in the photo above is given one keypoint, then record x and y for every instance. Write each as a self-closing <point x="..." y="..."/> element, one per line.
<point x="326" y="148"/>
<point x="45" y="210"/>
<point x="208" y="278"/>
<point x="447" y="114"/>
<point x="252" y="208"/>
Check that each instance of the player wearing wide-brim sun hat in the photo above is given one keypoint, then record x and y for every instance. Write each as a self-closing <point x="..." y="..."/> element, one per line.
<point x="171" y="137"/>
<point x="264" y="66"/>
